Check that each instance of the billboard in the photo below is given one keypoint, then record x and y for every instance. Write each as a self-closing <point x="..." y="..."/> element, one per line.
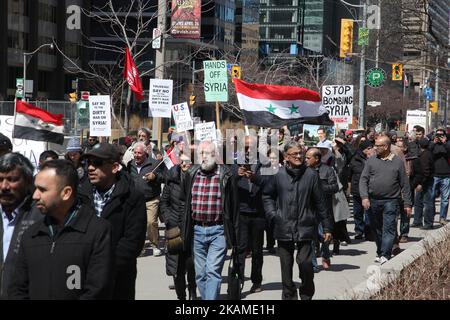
<point x="186" y="16"/>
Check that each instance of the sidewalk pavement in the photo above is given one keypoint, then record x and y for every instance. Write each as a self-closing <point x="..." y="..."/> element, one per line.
<point x="348" y="269"/>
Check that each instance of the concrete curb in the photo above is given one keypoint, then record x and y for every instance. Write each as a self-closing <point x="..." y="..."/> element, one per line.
<point x="380" y="276"/>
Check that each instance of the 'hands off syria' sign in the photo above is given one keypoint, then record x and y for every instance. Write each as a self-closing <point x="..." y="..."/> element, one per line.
<point x="338" y="100"/>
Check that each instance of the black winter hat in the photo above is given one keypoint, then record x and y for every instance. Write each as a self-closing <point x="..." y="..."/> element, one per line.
<point x="365" y="144"/>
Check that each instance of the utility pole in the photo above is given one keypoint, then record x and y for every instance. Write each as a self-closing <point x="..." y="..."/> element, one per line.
<point x="436" y="93"/>
<point x="362" y="71"/>
<point x="159" y="64"/>
<point x="445" y="110"/>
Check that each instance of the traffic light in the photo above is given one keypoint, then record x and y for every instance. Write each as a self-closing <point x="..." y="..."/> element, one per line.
<point x="73" y="97"/>
<point x="346" y="44"/>
<point x="434" y="107"/>
<point x="191" y="100"/>
<point x="236" y="72"/>
<point x="397" y="72"/>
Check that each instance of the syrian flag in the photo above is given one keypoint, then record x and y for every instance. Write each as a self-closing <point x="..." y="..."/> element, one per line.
<point x="131" y="74"/>
<point x="33" y="123"/>
<point x="273" y="106"/>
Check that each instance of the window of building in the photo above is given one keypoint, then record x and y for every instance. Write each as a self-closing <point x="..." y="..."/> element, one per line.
<point x="72" y="50"/>
<point x="282" y="33"/>
<point x="44" y="77"/>
<point x="17" y="40"/>
<point x="47" y="12"/>
<point x="18" y="7"/>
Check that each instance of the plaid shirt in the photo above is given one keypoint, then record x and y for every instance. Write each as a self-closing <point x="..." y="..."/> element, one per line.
<point x="101" y="199"/>
<point x="206" y="201"/>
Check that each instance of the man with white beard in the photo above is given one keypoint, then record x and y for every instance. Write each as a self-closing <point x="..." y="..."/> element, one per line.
<point x="211" y="218"/>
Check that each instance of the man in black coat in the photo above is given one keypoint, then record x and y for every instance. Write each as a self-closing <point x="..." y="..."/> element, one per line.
<point x="16" y="188"/>
<point x="422" y="184"/>
<point x="147" y="174"/>
<point x="294" y="201"/>
<point x="113" y="196"/>
<point x="68" y="254"/>
<point x="329" y="185"/>
<point x="362" y="228"/>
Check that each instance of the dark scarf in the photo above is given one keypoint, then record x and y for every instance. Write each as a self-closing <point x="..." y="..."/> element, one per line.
<point x="296" y="173"/>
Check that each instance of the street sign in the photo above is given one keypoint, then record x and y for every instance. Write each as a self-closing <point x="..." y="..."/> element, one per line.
<point x="428" y="93"/>
<point x="19" y="88"/>
<point x="363" y="37"/>
<point x="374" y="103"/>
<point x="375" y="77"/>
<point x="85" y="95"/>
<point x="156" y="43"/>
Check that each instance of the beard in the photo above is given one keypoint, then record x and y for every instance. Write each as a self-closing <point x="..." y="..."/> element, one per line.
<point x="208" y="165"/>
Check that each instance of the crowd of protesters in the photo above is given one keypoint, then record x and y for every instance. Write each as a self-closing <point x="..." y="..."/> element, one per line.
<point x="76" y="229"/>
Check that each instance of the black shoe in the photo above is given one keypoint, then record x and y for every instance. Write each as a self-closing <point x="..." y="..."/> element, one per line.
<point x="427" y="228"/>
<point x="256" y="287"/>
<point x="193" y="294"/>
<point x="359" y="236"/>
<point x="416" y="225"/>
<point x="335" y="247"/>
<point x="171" y="287"/>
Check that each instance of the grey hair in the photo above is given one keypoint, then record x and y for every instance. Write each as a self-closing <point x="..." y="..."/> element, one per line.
<point x="147" y="132"/>
<point x="292" y="144"/>
<point x="140" y="144"/>
<point x="15" y="160"/>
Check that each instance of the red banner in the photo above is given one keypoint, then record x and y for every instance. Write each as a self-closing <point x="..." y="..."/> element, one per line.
<point x="132" y="76"/>
<point x="186" y="19"/>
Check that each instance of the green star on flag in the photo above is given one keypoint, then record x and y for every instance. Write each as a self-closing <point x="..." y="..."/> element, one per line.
<point x="293" y="109"/>
<point x="271" y="109"/>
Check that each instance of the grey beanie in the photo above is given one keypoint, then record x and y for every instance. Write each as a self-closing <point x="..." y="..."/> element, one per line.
<point x="74" y="145"/>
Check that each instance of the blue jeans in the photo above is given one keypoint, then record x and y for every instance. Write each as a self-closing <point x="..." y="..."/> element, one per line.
<point x="359" y="215"/>
<point x="443" y="184"/>
<point x="383" y="222"/>
<point x="209" y="249"/>
<point x="424" y="200"/>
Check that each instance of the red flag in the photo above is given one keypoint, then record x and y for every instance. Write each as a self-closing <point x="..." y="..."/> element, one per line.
<point x="132" y="76"/>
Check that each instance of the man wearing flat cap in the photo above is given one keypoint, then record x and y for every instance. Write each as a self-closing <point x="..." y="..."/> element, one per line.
<point x="114" y="197"/>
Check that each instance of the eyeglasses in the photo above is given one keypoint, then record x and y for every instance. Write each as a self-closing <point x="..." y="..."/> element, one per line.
<point x="186" y="162"/>
<point x="295" y="154"/>
<point x="96" y="162"/>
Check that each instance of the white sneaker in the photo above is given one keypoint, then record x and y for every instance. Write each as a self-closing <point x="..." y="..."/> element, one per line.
<point x="156" y="252"/>
<point x="377" y="259"/>
<point x="344" y="243"/>
<point x="383" y="260"/>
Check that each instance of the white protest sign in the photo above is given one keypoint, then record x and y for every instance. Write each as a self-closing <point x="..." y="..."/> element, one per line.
<point x="100" y="116"/>
<point x="160" y="99"/>
<point x="182" y="117"/>
<point x="29" y="148"/>
<point x="338" y="100"/>
<point x="206" y="131"/>
<point x="414" y="118"/>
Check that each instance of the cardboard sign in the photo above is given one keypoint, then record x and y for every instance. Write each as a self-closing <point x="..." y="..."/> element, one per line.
<point x="160" y="98"/>
<point x="206" y="131"/>
<point x="100" y="116"/>
<point x="338" y="100"/>
<point x="216" y="80"/>
<point x="182" y="117"/>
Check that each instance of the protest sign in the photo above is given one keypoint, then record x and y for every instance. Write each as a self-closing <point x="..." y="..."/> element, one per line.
<point x="160" y="98"/>
<point x="182" y="117"/>
<point x="100" y="116"/>
<point x="311" y="137"/>
<point x="216" y="80"/>
<point x="206" y="131"/>
<point x="415" y="117"/>
<point x="338" y="100"/>
<point x="29" y="148"/>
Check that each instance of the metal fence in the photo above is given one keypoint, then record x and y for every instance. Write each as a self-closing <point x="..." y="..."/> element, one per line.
<point x="63" y="107"/>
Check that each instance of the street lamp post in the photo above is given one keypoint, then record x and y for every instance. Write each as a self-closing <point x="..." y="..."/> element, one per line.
<point x="25" y="54"/>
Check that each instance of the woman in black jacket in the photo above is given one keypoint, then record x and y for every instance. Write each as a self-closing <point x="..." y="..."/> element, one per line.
<point x="171" y="205"/>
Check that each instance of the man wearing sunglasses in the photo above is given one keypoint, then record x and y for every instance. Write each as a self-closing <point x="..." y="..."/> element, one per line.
<point x="113" y="195"/>
<point x="293" y="200"/>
